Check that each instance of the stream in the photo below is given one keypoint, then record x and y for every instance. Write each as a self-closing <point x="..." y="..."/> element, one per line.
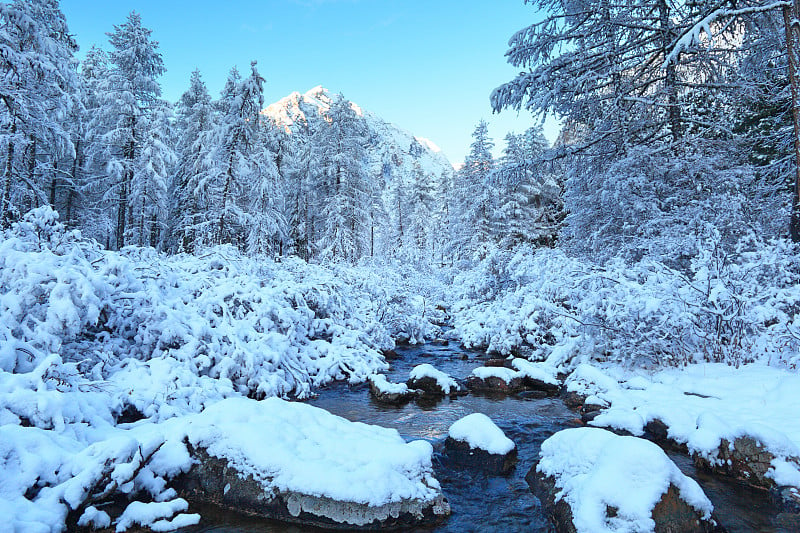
<point x="480" y="502"/>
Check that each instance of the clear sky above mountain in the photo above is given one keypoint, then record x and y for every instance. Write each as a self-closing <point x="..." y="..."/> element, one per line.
<point x="427" y="66"/>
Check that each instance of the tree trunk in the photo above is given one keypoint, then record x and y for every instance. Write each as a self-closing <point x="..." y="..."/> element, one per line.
<point x="671" y="75"/>
<point x="54" y="185"/>
<point x="127" y="179"/>
<point x="6" y="205"/>
<point x="790" y="18"/>
<point x="71" y="194"/>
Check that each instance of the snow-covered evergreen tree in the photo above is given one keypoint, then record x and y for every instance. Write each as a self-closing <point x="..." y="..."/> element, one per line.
<point x="474" y="197"/>
<point x="195" y="119"/>
<point x="420" y="221"/>
<point x="344" y="184"/>
<point x="127" y="108"/>
<point x="38" y="93"/>
<point x="235" y="163"/>
<point x="528" y="208"/>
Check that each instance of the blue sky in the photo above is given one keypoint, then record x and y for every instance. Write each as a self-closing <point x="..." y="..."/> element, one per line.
<point x="425" y="65"/>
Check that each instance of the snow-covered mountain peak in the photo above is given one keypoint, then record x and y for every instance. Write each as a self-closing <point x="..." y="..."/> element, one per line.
<point x="391" y="147"/>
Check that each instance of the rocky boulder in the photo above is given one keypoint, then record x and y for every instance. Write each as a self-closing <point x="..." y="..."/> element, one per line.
<point x="213" y="480"/>
<point x="747" y="459"/>
<point x="432" y="382"/>
<point x="390" y="393"/>
<point x="589" y="478"/>
<point x="297" y="463"/>
<point x="521" y="376"/>
<point x="476" y="442"/>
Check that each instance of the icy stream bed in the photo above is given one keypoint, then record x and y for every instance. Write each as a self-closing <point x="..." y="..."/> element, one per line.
<point x="480" y="502"/>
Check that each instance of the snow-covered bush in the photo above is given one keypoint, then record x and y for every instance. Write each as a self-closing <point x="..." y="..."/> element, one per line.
<point x="184" y="330"/>
<point x="92" y="339"/>
<point x="731" y="307"/>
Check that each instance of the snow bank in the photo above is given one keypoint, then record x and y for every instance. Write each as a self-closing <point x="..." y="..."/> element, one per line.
<point x="704" y="404"/>
<point x="596" y="469"/>
<point x="443" y="381"/>
<point x="479" y="431"/>
<point x="299" y="448"/>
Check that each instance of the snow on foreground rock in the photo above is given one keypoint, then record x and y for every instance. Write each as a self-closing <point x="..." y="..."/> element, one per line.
<point x="476" y="442"/>
<point x="278" y="459"/>
<point x="716" y="411"/>
<point x="613" y="484"/>
<point x="385" y="391"/>
<point x="480" y="432"/>
<point x="301" y="463"/>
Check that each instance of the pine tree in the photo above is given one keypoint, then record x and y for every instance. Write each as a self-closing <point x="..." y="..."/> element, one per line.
<point x="344" y="183"/>
<point x="234" y="164"/>
<point x="189" y="223"/>
<point x="473" y="197"/>
<point x="38" y="93"/>
<point x="422" y="201"/>
<point x="129" y="100"/>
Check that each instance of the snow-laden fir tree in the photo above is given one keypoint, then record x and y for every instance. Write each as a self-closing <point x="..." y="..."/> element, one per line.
<point x="473" y="198"/>
<point x="234" y="164"/>
<point x="189" y="223"/>
<point x="38" y="93"/>
<point x="342" y="179"/>
<point x="149" y="187"/>
<point x="267" y="229"/>
<point x="129" y="100"/>
<point x="422" y="208"/>
<point x="528" y="207"/>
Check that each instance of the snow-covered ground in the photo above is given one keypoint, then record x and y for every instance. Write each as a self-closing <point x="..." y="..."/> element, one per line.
<point x="703" y="404"/>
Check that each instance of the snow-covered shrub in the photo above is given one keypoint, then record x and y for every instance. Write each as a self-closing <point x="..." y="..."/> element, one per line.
<point x="171" y="333"/>
<point x="90" y="339"/>
<point x="731" y="307"/>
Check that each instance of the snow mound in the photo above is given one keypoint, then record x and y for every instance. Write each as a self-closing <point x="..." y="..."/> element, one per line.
<point x="384" y="386"/>
<point x="486" y="372"/>
<point x="479" y="431"/>
<point x="299" y="448"/>
<point x="596" y="469"/>
<point x="445" y="382"/>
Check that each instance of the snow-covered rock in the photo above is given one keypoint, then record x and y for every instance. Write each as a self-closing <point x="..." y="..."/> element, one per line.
<point x="593" y="481"/>
<point x="299" y="463"/>
<point x="386" y="392"/>
<point x="475" y="441"/>
<point x="524" y="376"/>
<point x="432" y="382"/>
<point x="741" y="422"/>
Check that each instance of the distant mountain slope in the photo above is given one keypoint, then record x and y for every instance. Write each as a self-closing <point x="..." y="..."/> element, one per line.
<point x="393" y="150"/>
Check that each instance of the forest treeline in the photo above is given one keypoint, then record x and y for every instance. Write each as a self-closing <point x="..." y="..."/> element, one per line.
<point x="96" y="141"/>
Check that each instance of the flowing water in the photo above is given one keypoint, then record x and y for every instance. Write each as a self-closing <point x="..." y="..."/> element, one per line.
<point x="480" y="502"/>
